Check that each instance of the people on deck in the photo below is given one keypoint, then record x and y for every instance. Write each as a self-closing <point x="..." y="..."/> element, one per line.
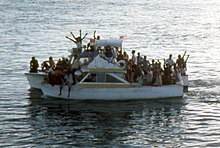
<point x="75" y="67"/>
<point x="177" y="74"/>
<point x="157" y="75"/>
<point x="34" y="65"/>
<point x="63" y="63"/>
<point x="77" y="40"/>
<point x="145" y="64"/>
<point x="51" y="62"/>
<point x="184" y="64"/>
<point x="91" y="44"/>
<point x="130" y="71"/>
<point x="46" y="65"/>
<point x="137" y="67"/>
<point x="66" y="80"/>
<point x="167" y="77"/>
<point x="170" y="61"/>
<point x="149" y="76"/>
<point x="139" y="59"/>
<point x="181" y="63"/>
<point x="125" y="56"/>
<point x="133" y="57"/>
<point x="120" y="55"/>
<point x="94" y="36"/>
<point x="55" y="78"/>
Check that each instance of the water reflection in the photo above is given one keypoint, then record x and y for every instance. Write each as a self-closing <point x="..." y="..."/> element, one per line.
<point x="84" y="123"/>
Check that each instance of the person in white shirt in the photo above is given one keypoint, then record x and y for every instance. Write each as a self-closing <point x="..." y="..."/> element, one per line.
<point x="170" y="61"/>
<point x="75" y="66"/>
<point x="134" y="58"/>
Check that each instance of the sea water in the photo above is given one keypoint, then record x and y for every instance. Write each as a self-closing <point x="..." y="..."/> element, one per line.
<point x="155" y="28"/>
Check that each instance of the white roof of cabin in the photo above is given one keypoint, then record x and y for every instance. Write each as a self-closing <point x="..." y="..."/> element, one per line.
<point x="100" y="63"/>
<point x="111" y="42"/>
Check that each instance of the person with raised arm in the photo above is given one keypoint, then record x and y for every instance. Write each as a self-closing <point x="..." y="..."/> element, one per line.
<point x="77" y="40"/>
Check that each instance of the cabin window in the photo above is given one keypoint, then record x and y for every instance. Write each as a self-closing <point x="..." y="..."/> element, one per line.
<point x="111" y="79"/>
<point x="90" y="78"/>
<point x="100" y="78"/>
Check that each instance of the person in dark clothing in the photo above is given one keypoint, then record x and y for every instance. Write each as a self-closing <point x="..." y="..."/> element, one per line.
<point x="34" y="65"/>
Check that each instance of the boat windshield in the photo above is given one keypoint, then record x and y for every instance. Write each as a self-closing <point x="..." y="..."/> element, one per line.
<point x="101" y="78"/>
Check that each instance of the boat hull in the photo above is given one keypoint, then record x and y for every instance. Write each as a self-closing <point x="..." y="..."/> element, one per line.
<point x="113" y="93"/>
<point x="35" y="79"/>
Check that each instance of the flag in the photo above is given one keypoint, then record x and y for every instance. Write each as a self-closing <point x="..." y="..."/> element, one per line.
<point x="123" y="37"/>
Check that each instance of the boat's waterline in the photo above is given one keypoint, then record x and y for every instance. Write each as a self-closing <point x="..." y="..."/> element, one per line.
<point x="78" y="92"/>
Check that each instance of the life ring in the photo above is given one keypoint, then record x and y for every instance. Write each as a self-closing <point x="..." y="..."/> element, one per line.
<point x="121" y="64"/>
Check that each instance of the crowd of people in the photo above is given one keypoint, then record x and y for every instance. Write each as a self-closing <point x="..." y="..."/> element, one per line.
<point x="138" y="68"/>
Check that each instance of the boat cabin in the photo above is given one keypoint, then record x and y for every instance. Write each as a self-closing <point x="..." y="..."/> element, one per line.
<point x="101" y="71"/>
<point x="103" y="78"/>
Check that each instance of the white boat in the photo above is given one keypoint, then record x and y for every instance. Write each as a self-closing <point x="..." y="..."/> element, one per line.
<point x="103" y="81"/>
<point x="109" y="83"/>
<point x="35" y="79"/>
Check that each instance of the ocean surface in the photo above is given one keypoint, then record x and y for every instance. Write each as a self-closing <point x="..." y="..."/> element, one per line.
<point x="155" y="28"/>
